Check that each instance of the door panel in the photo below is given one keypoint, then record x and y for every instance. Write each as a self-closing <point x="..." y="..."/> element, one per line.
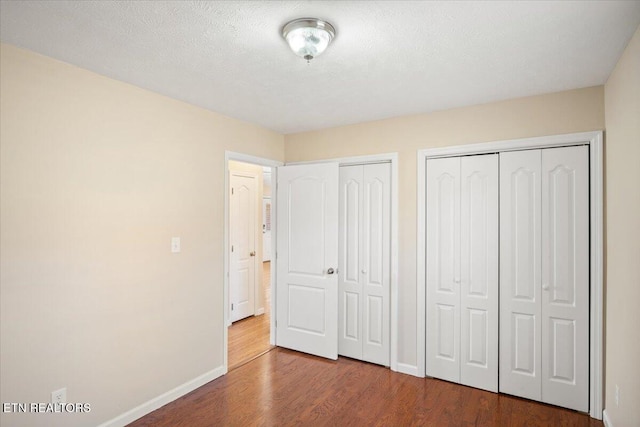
<point x="520" y="285"/>
<point x="364" y="253"/>
<point x="442" y="268"/>
<point x="376" y="268"/>
<point x="350" y="251"/>
<point x="565" y="277"/>
<point x="307" y="294"/>
<point x="242" y="224"/>
<point x="479" y="272"/>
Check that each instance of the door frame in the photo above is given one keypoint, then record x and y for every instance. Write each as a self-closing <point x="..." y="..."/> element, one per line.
<point x="391" y="158"/>
<point x="595" y="142"/>
<point x="260" y="161"/>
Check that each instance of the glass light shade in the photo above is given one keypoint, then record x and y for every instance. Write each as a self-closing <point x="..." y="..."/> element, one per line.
<point x="308" y="37"/>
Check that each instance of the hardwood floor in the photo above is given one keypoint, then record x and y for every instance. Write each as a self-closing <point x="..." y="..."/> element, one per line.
<point x="286" y="388"/>
<point x="249" y="338"/>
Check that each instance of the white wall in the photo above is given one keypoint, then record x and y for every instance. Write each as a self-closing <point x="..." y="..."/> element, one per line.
<point x="96" y="177"/>
<point x="622" y="180"/>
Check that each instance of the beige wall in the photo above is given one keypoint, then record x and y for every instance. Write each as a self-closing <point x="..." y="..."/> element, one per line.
<point x="96" y="177"/>
<point x="557" y="113"/>
<point x="622" y="154"/>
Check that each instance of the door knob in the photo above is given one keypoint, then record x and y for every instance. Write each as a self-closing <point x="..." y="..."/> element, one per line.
<point x="330" y="271"/>
<point x="252" y="253"/>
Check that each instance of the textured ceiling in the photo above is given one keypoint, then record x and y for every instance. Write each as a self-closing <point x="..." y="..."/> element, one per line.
<point x="389" y="58"/>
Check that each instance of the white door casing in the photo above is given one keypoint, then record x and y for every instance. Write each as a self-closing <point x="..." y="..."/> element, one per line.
<point x="307" y="258"/>
<point x="364" y="257"/>
<point x="565" y="277"/>
<point x="462" y="270"/>
<point x="242" y="224"/>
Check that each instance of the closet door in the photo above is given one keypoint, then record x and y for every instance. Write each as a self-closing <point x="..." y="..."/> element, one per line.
<point x="350" y="280"/>
<point x="443" y="268"/>
<point x="376" y="268"/>
<point x="364" y="254"/>
<point x="462" y="270"/>
<point x="479" y="272"/>
<point x="520" y="282"/>
<point x="544" y="275"/>
<point x="565" y="277"/>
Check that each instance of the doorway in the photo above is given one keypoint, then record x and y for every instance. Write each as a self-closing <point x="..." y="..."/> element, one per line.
<point x="248" y="263"/>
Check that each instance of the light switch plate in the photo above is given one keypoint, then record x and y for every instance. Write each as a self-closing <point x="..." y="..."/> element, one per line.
<point x="175" y="245"/>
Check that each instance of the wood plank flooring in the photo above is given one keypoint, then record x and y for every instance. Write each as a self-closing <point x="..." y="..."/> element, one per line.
<point x="286" y="388"/>
<point x="249" y="338"/>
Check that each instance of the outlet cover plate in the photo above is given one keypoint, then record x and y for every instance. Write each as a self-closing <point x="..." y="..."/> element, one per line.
<point x="59" y="396"/>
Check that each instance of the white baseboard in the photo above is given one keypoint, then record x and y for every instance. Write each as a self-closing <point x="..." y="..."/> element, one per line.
<point x="403" y="368"/>
<point x="605" y="419"/>
<point x="259" y="311"/>
<point x="157" y="402"/>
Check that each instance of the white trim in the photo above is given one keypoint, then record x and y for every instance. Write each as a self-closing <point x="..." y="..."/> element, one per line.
<point x="260" y="312"/>
<point x="594" y="140"/>
<point x="606" y="420"/>
<point x="421" y="262"/>
<point x="157" y="402"/>
<point x="513" y="144"/>
<point x="231" y="155"/>
<point x="378" y="158"/>
<point x="394" y="328"/>
<point x="353" y="160"/>
<point x="596" y="374"/>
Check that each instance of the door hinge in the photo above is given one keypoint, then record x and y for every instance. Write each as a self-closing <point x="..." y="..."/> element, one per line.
<point x="231" y="248"/>
<point x="232" y="191"/>
<point x="231" y="307"/>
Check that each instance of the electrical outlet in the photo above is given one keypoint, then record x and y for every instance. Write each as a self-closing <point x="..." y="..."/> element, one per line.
<point x="59" y="396"/>
<point x="617" y="395"/>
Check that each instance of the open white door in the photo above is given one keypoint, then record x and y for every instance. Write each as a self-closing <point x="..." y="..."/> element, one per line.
<point x="307" y="254"/>
<point x="242" y="236"/>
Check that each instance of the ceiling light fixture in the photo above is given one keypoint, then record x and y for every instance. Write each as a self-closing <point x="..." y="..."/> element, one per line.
<point x="308" y="37"/>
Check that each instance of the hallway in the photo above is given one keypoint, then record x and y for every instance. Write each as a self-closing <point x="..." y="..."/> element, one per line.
<point x="249" y="338"/>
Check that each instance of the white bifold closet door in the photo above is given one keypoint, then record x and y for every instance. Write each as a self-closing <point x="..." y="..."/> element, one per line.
<point x="364" y="262"/>
<point x="462" y="270"/>
<point x="544" y="275"/>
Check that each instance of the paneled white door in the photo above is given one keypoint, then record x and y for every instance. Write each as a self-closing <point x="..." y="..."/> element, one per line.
<point x="544" y="275"/>
<point x="364" y="258"/>
<point x="462" y="270"/>
<point x="242" y="236"/>
<point x="479" y="272"/>
<point x="565" y="277"/>
<point x="443" y="268"/>
<point x="520" y="281"/>
<point x="307" y="255"/>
